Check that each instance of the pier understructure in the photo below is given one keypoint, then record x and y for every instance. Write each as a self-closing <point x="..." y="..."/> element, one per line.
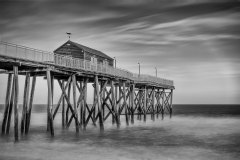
<point x="117" y="92"/>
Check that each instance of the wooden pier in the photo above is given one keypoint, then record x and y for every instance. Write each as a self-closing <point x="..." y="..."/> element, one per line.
<point x="117" y="92"/>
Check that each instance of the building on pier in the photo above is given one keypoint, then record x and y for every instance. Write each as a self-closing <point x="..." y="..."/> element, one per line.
<point x="76" y="50"/>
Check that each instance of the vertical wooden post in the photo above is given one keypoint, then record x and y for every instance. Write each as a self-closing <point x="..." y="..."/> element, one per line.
<point x="16" y="88"/>
<point x="11" y="103"/>
<point x="102" y="97"/>
<point x="116" y="98"/>
<point x="7" y="102"/>
<point x="50" y="102"/>
<point x="74" y="102"/>
<point x="94" y="104"/>
<point x="114" y="104"/>
<point x="171" y="103"/>
<point x="145" y="104"/>
<point x="100" y="114"/>
<point x="68" y="107"/>
<point x="132" y="102"/>
<point x="84" y="104"/>
<point x="163" y="103"/>
<point x="52" y="90"/>
<point x="139" y="104"/>
<point x="125" y="103"/>
<point x="158" y="102"/>
<point x="81" y="103"/>
<point x="25" y="103"/>
<point x="63" y="106"/>
<point x="119" y="103"/>
<point x="153" y="104"/>
<point x="28" y="117"/>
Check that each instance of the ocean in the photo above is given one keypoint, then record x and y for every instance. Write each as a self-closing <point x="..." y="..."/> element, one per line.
<point x="200" y="132"/>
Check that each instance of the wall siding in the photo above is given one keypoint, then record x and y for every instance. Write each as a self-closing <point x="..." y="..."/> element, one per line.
<point x="100" y="59"/>
<point x="76" y="52"/>
<point x="70" y="51"/>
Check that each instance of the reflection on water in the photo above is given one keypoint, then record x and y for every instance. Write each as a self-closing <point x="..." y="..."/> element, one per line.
<point x="182" y="137"/>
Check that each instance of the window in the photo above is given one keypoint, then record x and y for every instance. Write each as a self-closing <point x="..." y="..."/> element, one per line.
<point x="105" y="62"/>
<point x="94" y="60"/>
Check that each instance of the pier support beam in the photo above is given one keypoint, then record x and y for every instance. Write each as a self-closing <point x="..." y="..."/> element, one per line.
<point x="125" y="103"/>
<point x="25" y="103"/>
<point x="10" y="107"/>
<point x="140" y="103"/>
<point x="68" y="105"/>
<point x="12" y="91"/>
<point x="7" y="103"/>
<point x="100" y="112"/>
<point x="163" y="103"/>
<point x="153" y="104"/>
<point x="63" y="107"/>
<point x="16" y="89"/>
<point x="50" y="102"/>
<point x="83" y="116"/>
<point x="74" y="102"/>
<point x="171" y="103"/>
<point x="132" y="98"/>
<point x="115" y="116"/>
<point x="29" y="110"/>
<point x="145" y="104"/>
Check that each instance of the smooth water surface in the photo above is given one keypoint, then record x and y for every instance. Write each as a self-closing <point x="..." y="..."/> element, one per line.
<point x="207" y="133"/>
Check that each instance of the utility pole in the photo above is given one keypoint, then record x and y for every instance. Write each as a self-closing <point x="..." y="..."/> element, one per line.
<point x="115" y="62"/>
<point x="156" y="71"/>
<point x="139" y="69"/>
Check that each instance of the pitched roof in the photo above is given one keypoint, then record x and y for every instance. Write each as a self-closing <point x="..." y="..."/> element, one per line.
<point x="90" y="50"/>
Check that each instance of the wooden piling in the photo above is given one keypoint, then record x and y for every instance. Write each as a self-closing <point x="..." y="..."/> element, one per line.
<point x="145" y="104"/>
<point x="125" y="103"/>
<point x="139" y="108"/>
<point x="80" y="102"/>
<point x="100" y="114"/>
<point x="83" y="116"/>
<point x="116" y="99"/>
<point x="158" y="102"/>
<point x="132" y="102"/>
<point x="102" y="98"/>
<point x="68" y="96"/>
<point x="25" y="103"/>
<point x="7" y="102"/>
<point x="16" y="88"/>
<point x="163" y="103"/>
<point x="153" y="104"/>
<point x="29" y="112"/>
<point x="114" y="104"/>
<point x="11" y="106"/>
<point x="50" y="102"/>
<point x="94" y="104"/>
<point x="171" y="103"/>
<point x="63" y="106"/>
<point x="74" y="102"/>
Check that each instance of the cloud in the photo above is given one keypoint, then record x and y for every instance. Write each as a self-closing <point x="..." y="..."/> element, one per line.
<point x="186" y="40"/>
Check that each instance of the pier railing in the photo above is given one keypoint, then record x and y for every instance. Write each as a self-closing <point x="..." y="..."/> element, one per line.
<point x="22" y="52"/>
<point x="26" y="53"/>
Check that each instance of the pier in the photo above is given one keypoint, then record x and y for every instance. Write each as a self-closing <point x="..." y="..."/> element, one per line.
<point x="117" y="92"/>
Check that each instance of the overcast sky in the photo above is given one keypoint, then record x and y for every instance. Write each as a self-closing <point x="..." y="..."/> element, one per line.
<point x="193" y="42"/>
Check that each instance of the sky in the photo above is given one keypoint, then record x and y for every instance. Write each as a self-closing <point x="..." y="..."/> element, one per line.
<point x="193" y="42"/>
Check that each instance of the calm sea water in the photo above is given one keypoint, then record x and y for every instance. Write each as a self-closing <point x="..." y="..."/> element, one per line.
<point x="194" y="132"/>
